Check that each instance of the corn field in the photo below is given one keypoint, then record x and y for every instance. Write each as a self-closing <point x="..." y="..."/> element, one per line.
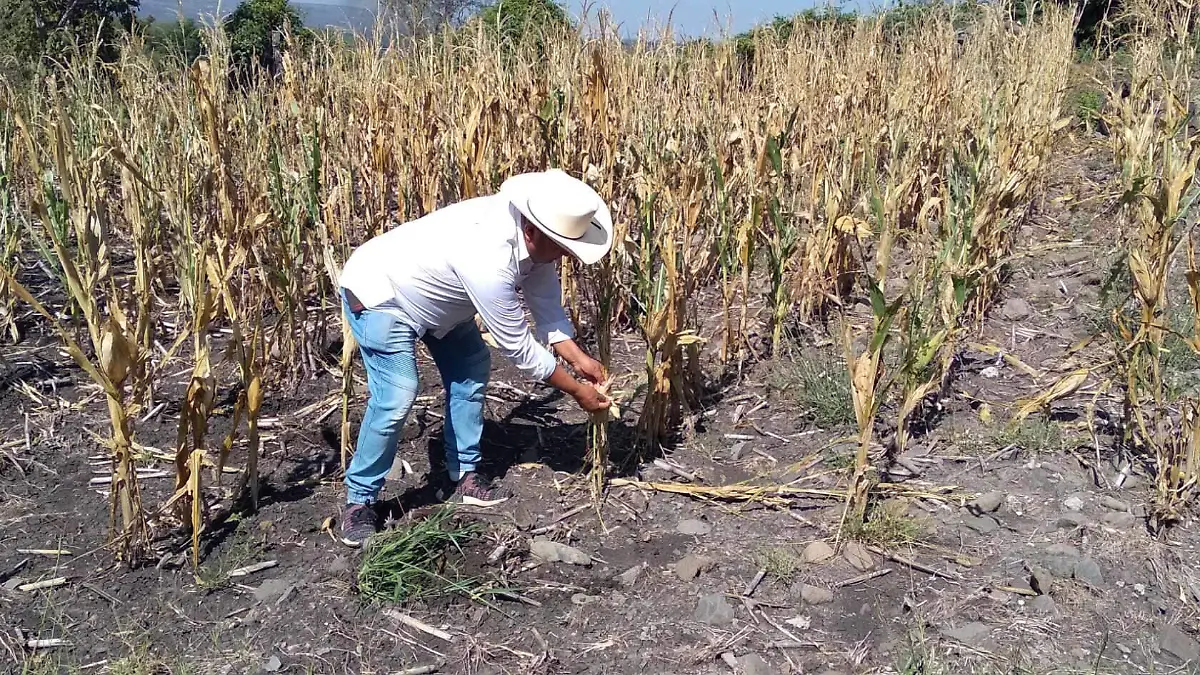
<point x="186" y="221"/>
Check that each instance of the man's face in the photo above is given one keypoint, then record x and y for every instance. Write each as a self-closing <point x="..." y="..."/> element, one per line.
<point x="542" y="249"/>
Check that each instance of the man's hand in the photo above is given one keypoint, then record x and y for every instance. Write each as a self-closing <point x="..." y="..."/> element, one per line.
<point x="590" y="399"/>
<point x="589" y="368"/>
<point x="587" y="396"/>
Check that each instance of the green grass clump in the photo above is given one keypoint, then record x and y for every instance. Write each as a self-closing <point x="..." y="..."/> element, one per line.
<point x="819" y="385"/>
<point x="779" y="562"/>
<point x="1088" y="105"/>
<point x="889" y="525"/>
<point x="417" y="562"/>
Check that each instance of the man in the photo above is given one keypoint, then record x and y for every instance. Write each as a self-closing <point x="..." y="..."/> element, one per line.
<point x="427" y="280"/>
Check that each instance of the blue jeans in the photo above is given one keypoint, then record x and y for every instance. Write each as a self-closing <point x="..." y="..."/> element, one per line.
<point x="388" y="348"/>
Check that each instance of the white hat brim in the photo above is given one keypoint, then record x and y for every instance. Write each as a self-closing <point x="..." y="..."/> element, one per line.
<point x="589" y="248"/>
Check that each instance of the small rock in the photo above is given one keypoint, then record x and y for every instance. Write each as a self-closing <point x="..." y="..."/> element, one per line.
<point x="815" y="595"/>
<point x="1015" y="309"/>
<point x="753" y="664"/>
<point x="970" y="634"/>
<point x="1114" y="504"/>
<point x="981" y="524"/>
<point x="1070" y="521"/>
<point x="630" y="576"/>
<point x="584" y="599"/>
<point x="859" y="557"/>
<point x="1073" y="503"/>
<point x="1044" y="604"/>
<point x="1041" y="580"/>
<point x="714" y="610"/>
<point x="1061" y="566"/>
<point x="1179" y="644"/>
<point x="988" y="503"/>
<point x="1066" y="550"/>
<point x="339" y="565"/>
<point x="13" y="583"/>
<point x="817" y="552"/>
<point x="1120" y="520"/>
<point x="272" y="589"/>
<point x="273" y="665"/>
<point x="552" y="551"/>
<point x="1087" y="571"/>
<point x="697" y="528"/>
<point x="1022" y="584"/>
<point x="691" y="566"/>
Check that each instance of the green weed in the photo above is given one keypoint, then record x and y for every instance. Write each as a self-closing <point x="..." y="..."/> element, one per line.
<point x="888" y="525"/>
<point x="819" y="385"/>
<point x="779" y="562"/>
<point x="417" y="562"/>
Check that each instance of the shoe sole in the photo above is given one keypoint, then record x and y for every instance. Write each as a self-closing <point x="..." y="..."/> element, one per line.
<point x="475" y="501"/>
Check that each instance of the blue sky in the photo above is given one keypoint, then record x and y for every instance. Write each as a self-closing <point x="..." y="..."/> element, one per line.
<point x="696" y="17"/>
<point x="691" y="18"/>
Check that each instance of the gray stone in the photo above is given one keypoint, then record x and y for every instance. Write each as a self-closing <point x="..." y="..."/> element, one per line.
<point x="1073" y="503"/>
<point x="1087" y="571"/>
<point x="714" y="610"/>
<point x="273" y="665"/>
<point x="1070" y="521"/>
<point x="1179" y="644"/>
<point x="1120" y="520"/>
<point x="584" y="599"/>
<point x="1066" y="550"/>
<point x="817" y="552"/>
<point x="11" y="584"/>
<point x="1044" y="604"/>
<point x="272" y="589"/>
<point x="815" y="595"/>
<point x="1041" y="580"/>
<point x="696" y="528"/>
<point x="1022" y="584"/>
<point x="1061" y="566"/>
<point x="972" y="634"/>
<point x="1015" y="309"/>
<point x="691" y="566"/>
<point x="630" y="576"/>
<point x="753" y="664"/>
<point x="989" y="502"/>
<point x="552" y="551"/>
<point x="1114" y="504"/>
<point x="981" y="524"/>
<point x="339" y="565"/>
<point x="859" y="557"/>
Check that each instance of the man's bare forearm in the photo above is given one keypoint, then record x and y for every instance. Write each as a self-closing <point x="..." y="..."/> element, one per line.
<point x="569" y="350"/>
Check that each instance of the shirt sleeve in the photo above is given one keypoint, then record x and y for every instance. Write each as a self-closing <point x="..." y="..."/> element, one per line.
<point x="495" y="299"/>
<point x="543" y="295"/>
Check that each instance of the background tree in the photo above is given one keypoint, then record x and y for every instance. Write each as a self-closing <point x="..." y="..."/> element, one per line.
<point x="182" y="40"/>
<point x="516" y="20"/>
<point x="30" y="29"/>
<point x="418" y="18"/>
<point x="255" y="31"/>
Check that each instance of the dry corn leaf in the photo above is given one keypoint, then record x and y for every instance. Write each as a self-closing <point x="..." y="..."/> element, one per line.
<point x="1064" y="387"/>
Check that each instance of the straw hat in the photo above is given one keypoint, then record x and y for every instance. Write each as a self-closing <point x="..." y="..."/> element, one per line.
<point x="566" y="209"/>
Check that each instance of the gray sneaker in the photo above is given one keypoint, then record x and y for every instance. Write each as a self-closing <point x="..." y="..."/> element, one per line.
<point x="359" y="523"/>
<point x="475" y="490"/>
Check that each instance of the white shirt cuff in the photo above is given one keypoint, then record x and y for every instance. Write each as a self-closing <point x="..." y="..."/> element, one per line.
<point x="556" y="331"/>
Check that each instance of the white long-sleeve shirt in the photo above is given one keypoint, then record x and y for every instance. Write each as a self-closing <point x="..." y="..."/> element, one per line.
<point x="438" y="271"/>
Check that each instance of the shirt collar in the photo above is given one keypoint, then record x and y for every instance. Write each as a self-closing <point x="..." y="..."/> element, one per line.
<point x="524" y="263"/>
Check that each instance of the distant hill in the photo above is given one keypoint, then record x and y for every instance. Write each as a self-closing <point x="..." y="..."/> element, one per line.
<point x="357" y="16"/>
